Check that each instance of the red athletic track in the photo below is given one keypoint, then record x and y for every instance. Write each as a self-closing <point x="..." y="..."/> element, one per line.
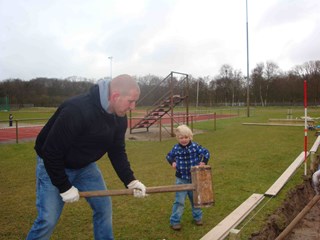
<point x="9" y="134"/>
<point x="30" y="132"/>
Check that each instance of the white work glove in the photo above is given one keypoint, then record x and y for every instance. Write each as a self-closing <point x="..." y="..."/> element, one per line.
<point x="72" y="195"/>
<point x="316" y="181"/>
<point x="139" y="190"/>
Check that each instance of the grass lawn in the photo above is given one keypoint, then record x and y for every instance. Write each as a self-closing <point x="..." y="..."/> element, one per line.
<point x="245" y="160"/>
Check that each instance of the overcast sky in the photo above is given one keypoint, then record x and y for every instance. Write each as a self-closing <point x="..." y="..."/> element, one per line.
<point x="62" y="38"/>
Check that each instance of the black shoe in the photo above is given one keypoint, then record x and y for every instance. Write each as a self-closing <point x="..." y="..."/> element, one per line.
<point x="176" y="227"/>
<point x="199" y="223"/>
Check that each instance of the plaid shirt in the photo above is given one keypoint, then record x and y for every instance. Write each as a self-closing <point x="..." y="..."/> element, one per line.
<point x="187" y="157"/>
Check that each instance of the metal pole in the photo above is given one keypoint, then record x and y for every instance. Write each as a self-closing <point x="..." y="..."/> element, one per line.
<point x="187" y="100"/>
<point x="171" y="104"/>
<point x="110" y="66"/>
<point x="197" y="96"/>
<point x="248" y="98"/>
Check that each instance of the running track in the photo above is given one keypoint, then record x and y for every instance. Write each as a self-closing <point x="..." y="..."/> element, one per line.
<point x="24" y="133"/>
<point x="30" y="132"/>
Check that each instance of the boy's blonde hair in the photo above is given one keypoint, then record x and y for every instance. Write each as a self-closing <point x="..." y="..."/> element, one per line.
<point x="183" y="130"/>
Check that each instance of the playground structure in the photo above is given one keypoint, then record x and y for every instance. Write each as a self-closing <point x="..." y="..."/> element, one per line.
<point x="174" y="92"/>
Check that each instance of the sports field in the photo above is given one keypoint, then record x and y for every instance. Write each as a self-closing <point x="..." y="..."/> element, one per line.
<point x="245" y="160"/>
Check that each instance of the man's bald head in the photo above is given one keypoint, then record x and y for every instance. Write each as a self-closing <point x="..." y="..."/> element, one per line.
<point x="124" y="93"/>
<point x="124" y="84"/>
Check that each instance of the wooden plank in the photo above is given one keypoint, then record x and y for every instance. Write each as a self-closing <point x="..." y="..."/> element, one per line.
<point x="290" y="120"/>
<point x="315" y="146"/>
<point x="274" y="124"/>
<point x="221" y="230"/>
<point x="282" y="180"/>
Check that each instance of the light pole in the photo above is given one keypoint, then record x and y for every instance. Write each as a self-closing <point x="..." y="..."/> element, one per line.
<point x="248" y="96"/>
<point x="227" y="86"/>
<point x="110" y="66"/>
<point x="197" y="101"/>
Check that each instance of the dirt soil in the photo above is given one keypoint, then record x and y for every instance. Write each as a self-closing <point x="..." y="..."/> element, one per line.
<point x="308" y="228"/>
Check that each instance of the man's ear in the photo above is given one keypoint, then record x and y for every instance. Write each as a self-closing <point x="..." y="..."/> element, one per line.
<point x="114" y="96"/>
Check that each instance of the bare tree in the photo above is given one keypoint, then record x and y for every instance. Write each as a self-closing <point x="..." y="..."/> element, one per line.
<point x="257" y="82"/>
<point x="270" y="73"/>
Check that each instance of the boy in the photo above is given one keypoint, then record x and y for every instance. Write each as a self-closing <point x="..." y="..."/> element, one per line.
<point x="184" y="155"/>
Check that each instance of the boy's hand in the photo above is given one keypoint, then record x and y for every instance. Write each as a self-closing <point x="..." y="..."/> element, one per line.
<point x="202" y="163"/>
<point x="174" y="165"/>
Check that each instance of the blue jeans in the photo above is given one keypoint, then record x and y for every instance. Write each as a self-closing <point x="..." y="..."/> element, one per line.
<point x="178" y="205"/>
<point x="49" y="202"/>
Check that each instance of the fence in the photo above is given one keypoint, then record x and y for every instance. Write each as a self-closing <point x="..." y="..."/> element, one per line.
<point x="4" y="104"/>
<point x="20" y="128"/>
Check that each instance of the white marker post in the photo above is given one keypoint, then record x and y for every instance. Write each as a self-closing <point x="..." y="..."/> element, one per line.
<point x="305" y="127"/>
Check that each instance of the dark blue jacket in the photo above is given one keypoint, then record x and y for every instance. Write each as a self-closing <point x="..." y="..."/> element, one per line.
<point x="81" y="132"/>
<point x="186" y="157"/>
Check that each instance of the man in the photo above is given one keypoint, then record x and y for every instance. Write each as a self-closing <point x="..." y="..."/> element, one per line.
<point x="79" y="133"/>
<point x="316" y="181"/>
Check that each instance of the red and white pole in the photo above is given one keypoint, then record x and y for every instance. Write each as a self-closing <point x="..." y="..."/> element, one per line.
<point x="305" y="128"/>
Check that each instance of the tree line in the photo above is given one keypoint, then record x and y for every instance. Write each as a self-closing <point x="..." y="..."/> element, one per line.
<point x="267" y="85"/>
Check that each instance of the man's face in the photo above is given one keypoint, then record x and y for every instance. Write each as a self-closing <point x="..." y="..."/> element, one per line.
<point x="123" y="104"/>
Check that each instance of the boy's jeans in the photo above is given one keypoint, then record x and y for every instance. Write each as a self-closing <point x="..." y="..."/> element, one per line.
<point x="178" y="205"/>
<point x="49" y="202"/>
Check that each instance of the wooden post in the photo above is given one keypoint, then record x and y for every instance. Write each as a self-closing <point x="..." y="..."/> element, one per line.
<point x="130" y="122"/>
<point x="203" y="196"/>
<point x="234" y="234"/>
<point x="192" y="123"/>
<point x="160" y="130"/>
<point x="17" y="129"/>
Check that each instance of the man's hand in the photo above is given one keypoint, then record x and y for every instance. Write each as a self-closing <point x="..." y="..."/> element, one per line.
<point x="316" y="181"/>
<point x="72" y="195"/>
<point x="139" y="190"/>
